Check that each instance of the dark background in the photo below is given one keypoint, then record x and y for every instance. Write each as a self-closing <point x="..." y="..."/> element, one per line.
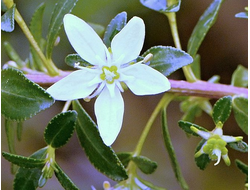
<point x="224" y="48"/>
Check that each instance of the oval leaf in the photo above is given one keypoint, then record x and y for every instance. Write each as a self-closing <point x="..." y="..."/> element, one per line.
<point x="21" y="98"/>
<point x="114" y="27"/>
<point x="203" y="160"/>
<point x="61" y="8"/>
<point x="240" y="77"/>
<point x="240" y="109"/>
<point x="100" y="155"/>
<point x="8" y="20"/>
<point x="36" y="30"/>
<point x="185" y="125"/>
<point x="242" y="166"/>
<point x="24" y="162"/>
<point x="60" y="129"/>
<point x="162" y="5"/>
<point x="64" y="180"/>
<point x="72" y="59"/>
<point x="205" y="22"/>
<point x="222" y="109"/>
<point x="239" y="146"/>
<point x="146" y="165"/>
<point x="27" y="178"/>
<point x="125" y="157"/>
<point x="168" y="59"/>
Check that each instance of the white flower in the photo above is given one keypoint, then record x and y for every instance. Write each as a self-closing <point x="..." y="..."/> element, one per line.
<point x="111" y="66"/>
<point x="215" y="146"/>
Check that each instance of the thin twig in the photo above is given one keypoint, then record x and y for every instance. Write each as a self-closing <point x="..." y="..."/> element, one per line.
<point x="199" y="88"/>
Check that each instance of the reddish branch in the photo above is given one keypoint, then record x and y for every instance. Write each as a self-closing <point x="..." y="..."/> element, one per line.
<point x="200" y="88"/>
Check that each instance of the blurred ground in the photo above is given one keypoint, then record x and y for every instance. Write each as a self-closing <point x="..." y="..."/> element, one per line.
<point x="224" y="48"/>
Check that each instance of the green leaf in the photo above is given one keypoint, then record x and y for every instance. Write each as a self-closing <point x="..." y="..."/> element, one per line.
<point x="13" y="55"/>
<point x="162" y="5"/>
<point x="146" y="165"/>
<point x="27" y="178"/>
<point x="8" y="20"/>
<point x="10" y="134"/>
<point x="168" y="59"/>
<point x="61" y="8"/>
<point x="196" y="68"/>
<point x="64" y="180"/>
<point x="24" y="162"/>
<point x="240" y="77"/>
<point x="21" y="98"/>
<point x="203" y="160"/>
<point x="60" y="129"/>
<point x="171" y="152"/>
<point x="240" y="146"/>
<point x="185" y="125"/>
<point x="71" y="59"/>
<point x="100" y="155"/>
<point x="114" y="27"/>
<point x="36" y="30"/>
<point x="124" y="157"/>
<point x="222" y="109"/>
<point x="243" y="167"/>
<point x="205" y="22"/>
<point x="240" y="109"/>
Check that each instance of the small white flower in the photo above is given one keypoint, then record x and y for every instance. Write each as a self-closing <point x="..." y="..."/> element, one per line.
<point x="111" y="66"/>
<point x="215" y="146"/>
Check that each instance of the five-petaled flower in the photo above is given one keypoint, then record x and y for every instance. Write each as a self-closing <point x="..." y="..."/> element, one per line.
<point x="110" y="67"/>
<point x="215" y="146"/>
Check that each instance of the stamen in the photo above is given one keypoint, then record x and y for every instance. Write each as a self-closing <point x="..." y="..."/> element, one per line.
<point x="148" y="58"/>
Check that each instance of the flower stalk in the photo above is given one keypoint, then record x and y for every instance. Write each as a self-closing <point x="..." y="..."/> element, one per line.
<point x="174" y="30"/>
<point x="48" y="64"/>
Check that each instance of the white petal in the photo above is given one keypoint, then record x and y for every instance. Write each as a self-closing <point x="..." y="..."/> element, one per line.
<point x="109" y="113"/>
<point x="127" y="44"/>
<point x="84" y="40"/>
<point x="218" y="131"/>
<point x="204" y="134"/>
<point x="74" y="86"/>
<point x="144" y="80"/>
<point x="229" y="139"/>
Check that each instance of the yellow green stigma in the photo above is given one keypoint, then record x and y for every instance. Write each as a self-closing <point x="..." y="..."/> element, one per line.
<point x="109" y="74"/>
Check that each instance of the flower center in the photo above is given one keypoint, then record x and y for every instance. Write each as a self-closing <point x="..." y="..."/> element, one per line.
<point x="109" y="74"/>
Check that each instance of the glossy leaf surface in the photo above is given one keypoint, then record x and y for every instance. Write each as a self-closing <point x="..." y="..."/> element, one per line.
<point x="205" y="22"/>
<point x="61" y="8"/>
<point x="36" y="30"/>
<point x="240" y="109"/>
<point x="168" y="59"/>
<point x="162" y="5"/>
<point x="222" y="109"/>
<point x="60" y="129"/>
<point x="100" y="155"/>
<point x="240" y="146"/>
<point x="64" y="180"/>
<point x="22" y="161"/>
<point x="8" y="19"/>
<point x="146" y="165"/>
<point x="72" y="59"/>
<point x="114" y="27"/>
<point x="27" y="178"/>
<point x="240" y="77"/>
<point x="21" y="98"/>
<point x="185" y="125"/>
<point x="203" y="160"/>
